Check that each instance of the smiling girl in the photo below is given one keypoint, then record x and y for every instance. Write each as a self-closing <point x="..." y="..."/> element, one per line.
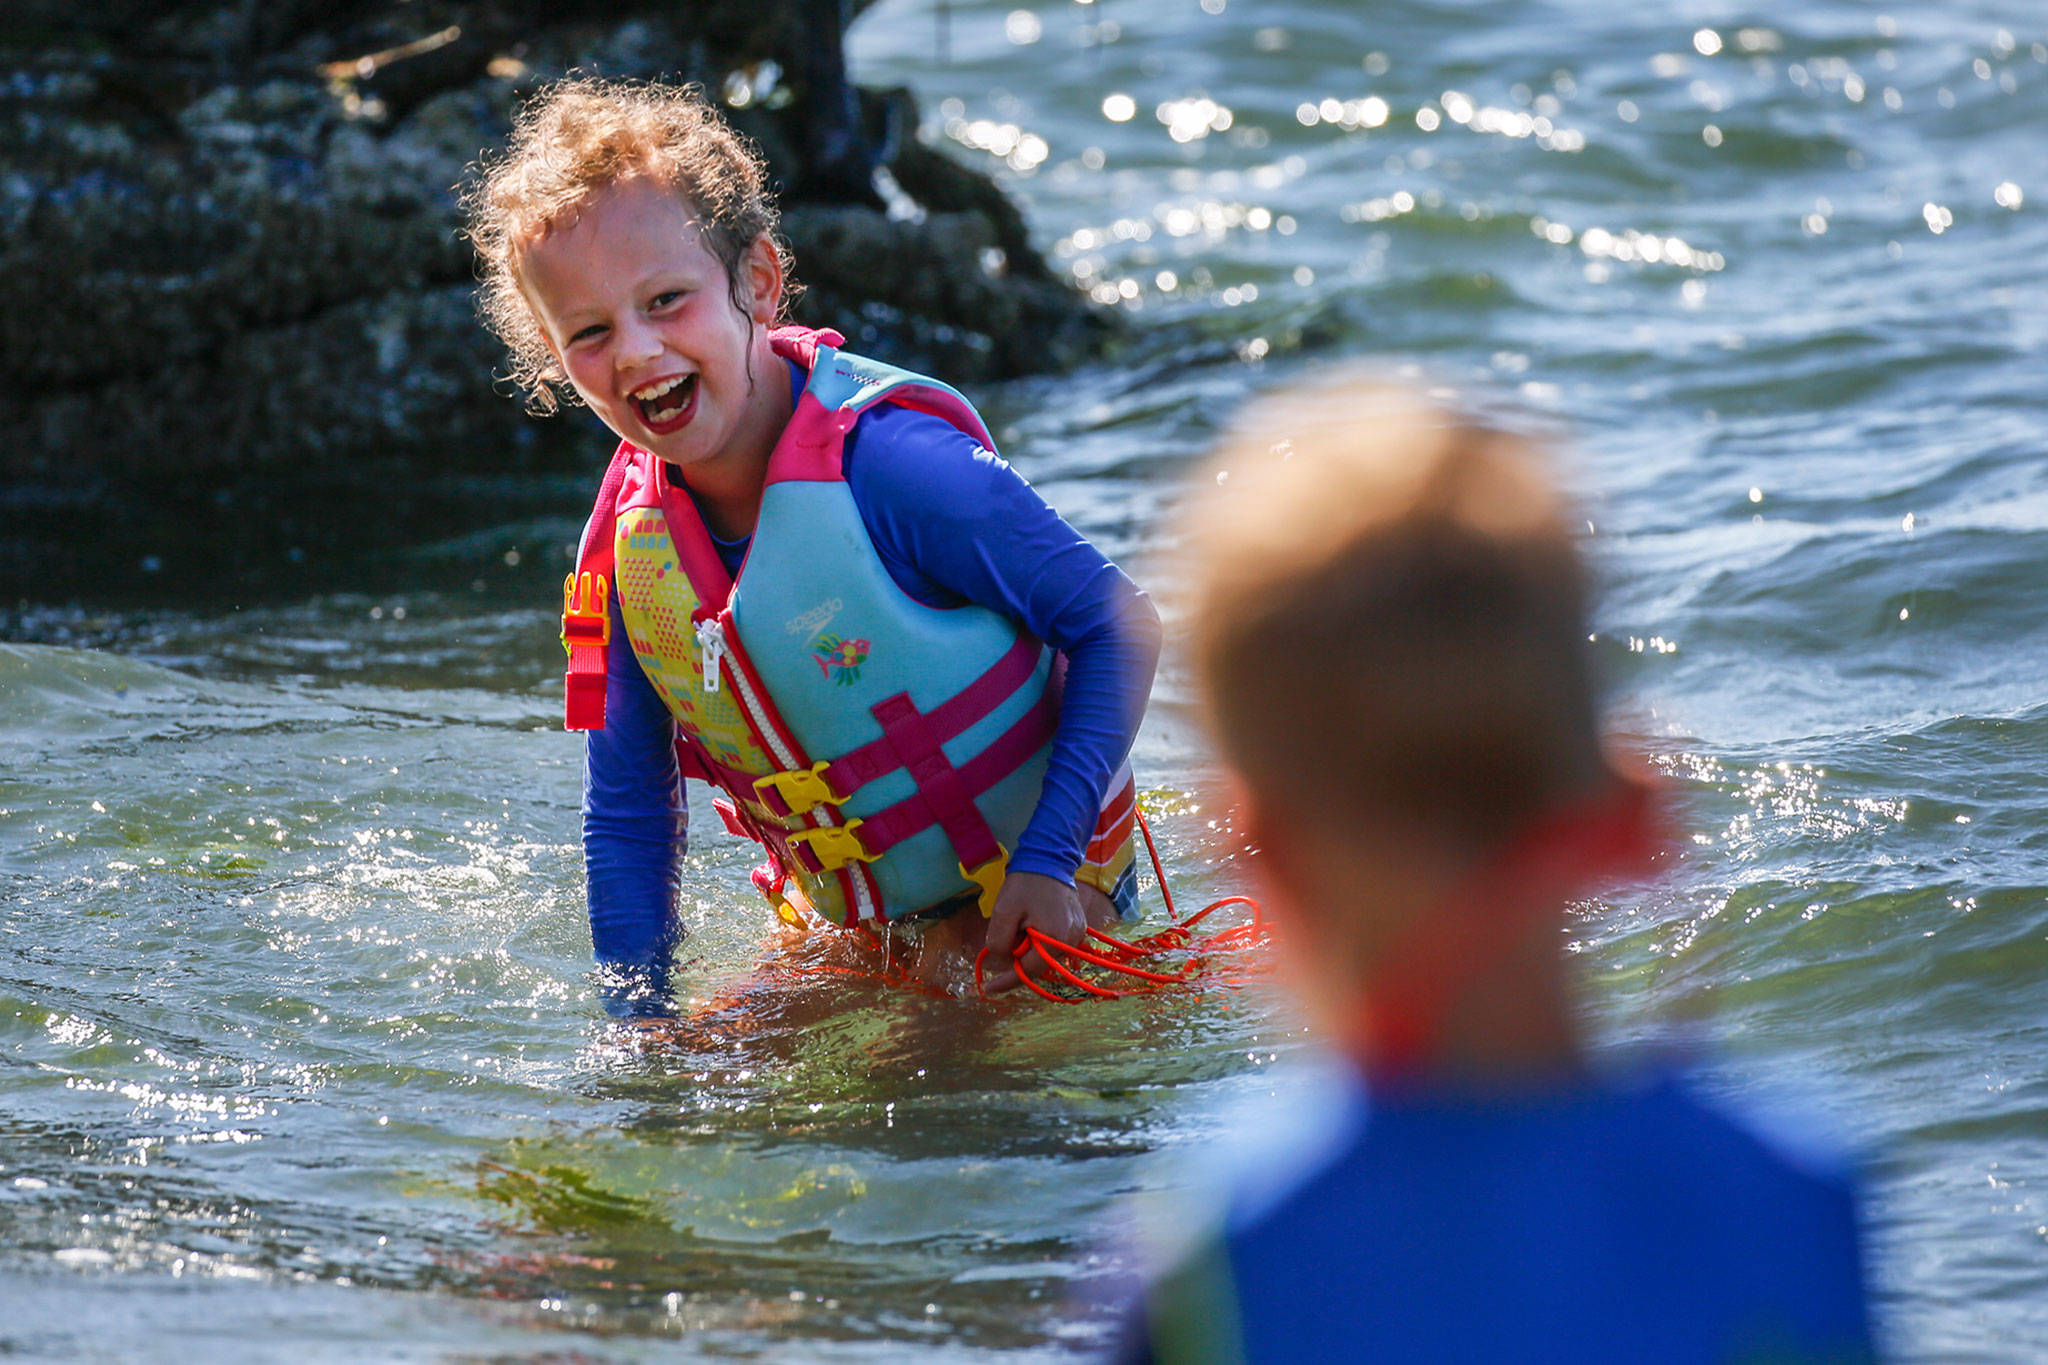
<point x="809" y="580"/>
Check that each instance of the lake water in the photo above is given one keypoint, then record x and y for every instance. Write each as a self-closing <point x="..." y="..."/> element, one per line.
<point x="299" y="1054"/>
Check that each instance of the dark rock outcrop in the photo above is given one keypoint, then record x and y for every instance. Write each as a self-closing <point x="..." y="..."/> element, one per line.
<point x="236" y="318"/>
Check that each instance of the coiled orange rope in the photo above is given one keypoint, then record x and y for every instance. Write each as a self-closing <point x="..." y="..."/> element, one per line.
<point x="1103" y="952"/>
<point x="1121" y="957"/>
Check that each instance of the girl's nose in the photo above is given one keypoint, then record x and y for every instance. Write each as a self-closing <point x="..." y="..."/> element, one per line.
<point x="637" y="344"/>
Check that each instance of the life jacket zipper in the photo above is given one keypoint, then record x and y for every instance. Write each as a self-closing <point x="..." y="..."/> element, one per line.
<point x="711" y="647"/>
<point x="711" y="640"/>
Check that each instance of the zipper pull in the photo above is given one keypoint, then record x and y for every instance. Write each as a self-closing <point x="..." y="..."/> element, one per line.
<point x="711" y="645"/>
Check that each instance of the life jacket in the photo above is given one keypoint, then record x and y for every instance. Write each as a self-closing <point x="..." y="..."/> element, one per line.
<point x="885" y="753"/>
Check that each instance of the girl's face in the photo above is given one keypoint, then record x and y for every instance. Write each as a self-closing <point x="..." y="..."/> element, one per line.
<point x="641" y="316"/>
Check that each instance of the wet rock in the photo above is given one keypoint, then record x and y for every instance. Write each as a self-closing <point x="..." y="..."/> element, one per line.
<point x="239" y="320"/>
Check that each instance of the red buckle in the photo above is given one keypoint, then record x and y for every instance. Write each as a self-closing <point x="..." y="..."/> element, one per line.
<point x="586" y="610"/>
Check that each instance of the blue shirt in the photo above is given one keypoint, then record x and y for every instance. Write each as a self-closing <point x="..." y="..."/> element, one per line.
<point x="1605" y="1223"/>
<point x="954" y="524"/>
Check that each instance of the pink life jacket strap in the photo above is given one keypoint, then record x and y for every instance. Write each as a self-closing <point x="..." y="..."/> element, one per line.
<point x="939" y="784"/>
<point x="769" y="878"/>
<point x="950" y="719"/>
<point x="718" y="774"/>
<point x="693" y="762"/>
<point x="801" y="343"/>
<point x="729" y="813"/>
<point x="942" y="791"/>
<point x="740" y="822"/>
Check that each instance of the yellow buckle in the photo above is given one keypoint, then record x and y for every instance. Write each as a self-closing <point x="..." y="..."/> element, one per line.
<point x="790" y="908"/>
<point x="801" y="789"/>
<point x="586" y="614"/>
<point x="989" y="877"/>
<point x="834" y="846"/>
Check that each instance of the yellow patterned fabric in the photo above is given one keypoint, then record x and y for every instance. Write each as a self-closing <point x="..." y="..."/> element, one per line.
<point x="658" y="604"/>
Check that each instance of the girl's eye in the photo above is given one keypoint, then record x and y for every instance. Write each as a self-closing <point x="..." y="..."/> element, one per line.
<point x="595" y="329"/>
<point x="665" y="299"/>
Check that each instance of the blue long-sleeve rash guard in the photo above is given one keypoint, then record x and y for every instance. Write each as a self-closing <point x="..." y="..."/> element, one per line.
<point x="954" y="524"/>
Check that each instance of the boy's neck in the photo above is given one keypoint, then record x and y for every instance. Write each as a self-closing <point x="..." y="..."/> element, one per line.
<point x="1464" y="981"/>
<point x="1511" y="1026"/>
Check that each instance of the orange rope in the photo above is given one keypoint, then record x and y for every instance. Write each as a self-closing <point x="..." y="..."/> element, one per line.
<point x="1104" y="952"/>
<point x="1120" y="956"/>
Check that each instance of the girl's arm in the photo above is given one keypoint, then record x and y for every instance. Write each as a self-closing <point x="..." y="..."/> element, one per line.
<point x="954" y="524"/>
<point x="635" y="830"/>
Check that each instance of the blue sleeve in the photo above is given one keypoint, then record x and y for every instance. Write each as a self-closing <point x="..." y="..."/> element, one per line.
<point x="635" y="829"/>
<point x="955" y="524"/>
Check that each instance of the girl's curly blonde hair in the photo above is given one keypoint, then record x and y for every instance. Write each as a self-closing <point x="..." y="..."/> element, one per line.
<point x="582" y="135"/>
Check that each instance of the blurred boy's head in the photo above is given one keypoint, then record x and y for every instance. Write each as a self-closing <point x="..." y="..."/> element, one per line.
<point x="1389" y="631"/>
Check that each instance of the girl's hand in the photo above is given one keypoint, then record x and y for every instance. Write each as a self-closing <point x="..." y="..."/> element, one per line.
<point x="1029" y="899"/>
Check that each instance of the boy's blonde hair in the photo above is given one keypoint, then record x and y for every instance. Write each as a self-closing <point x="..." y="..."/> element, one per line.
<point x="1388" y="618"/>
<point x="582" y="135"/>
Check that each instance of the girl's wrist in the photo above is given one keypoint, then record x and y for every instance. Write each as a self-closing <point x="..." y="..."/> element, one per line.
<point x="1050" y="866"/>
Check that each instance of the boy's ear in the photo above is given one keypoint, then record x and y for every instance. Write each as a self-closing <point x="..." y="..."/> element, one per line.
<point x="761" y="268"/>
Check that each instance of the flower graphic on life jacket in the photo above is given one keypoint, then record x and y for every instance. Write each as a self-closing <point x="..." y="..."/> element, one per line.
<point x="839" y="658"/>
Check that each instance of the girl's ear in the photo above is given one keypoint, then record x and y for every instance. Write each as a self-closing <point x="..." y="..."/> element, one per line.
<point x="557" y="371"/>
<point x="561" y="368"/>
<point x="540" y="325"/>
<point x="761" y="269"/>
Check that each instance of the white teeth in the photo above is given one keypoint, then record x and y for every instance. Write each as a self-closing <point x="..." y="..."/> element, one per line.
<point x="654" y="391"/>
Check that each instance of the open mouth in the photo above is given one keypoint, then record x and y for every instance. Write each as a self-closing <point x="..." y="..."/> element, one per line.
<point x="666" y="406"/>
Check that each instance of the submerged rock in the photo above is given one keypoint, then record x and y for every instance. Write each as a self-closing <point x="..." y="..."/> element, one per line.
<point x="239" y="319"/>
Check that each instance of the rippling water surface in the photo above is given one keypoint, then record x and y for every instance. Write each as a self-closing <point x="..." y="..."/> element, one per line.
<point x="299" y="1057"/>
